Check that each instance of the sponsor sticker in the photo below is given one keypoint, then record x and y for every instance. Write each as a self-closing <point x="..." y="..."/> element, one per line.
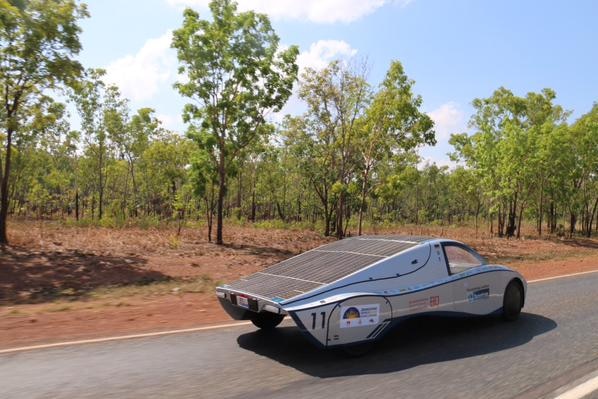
<point x="418" y="304"/>
<point x="243" y="302"/>
<point x="478" y="293"/>
<point x="359" y="315"/>
<point x="423" y="303"/>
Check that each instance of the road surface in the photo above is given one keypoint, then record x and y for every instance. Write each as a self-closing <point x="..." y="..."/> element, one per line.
<point x="554" y="343"/>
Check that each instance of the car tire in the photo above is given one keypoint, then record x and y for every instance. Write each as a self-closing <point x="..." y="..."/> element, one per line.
<point x="266" y="320"/>
<point x="512" y="301"/>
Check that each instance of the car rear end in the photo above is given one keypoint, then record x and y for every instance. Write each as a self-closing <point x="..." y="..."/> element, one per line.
<point x="242" y="305"/>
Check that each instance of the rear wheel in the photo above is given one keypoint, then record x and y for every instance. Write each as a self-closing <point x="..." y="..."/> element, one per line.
<point x="512" y="301"/>
<point x="266" y="320"/>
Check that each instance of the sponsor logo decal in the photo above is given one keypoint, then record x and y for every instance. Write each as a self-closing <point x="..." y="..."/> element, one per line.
<point x="423" y="303"/>
<point x="418" y="304"/>
<point x="351" y="313"/>
<point x="478" y="293"/>
<point x="359" y="315"/>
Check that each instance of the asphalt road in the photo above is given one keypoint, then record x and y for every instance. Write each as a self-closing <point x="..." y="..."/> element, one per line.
<point x="553" y="343"/>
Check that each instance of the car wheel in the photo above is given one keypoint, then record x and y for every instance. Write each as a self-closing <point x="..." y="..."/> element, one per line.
<point x="266" y="320"/>
<point x="512" y="301"/>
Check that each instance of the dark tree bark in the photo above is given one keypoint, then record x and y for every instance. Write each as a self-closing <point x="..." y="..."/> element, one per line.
<point x="221" y="195"/>
<point x="4" y="198"/>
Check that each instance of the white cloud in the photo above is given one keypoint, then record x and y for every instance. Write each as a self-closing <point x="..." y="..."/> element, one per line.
<point x="170" y="122"/>
<point x="318" y="56"/>
<point x="448" y="119"/>
<point x="319" y="11"/>
<point x="140" y="76"/>
<point x="322" y="52"/>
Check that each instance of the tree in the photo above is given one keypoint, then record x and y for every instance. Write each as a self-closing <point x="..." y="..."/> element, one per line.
<point x="505" y="151"/>
<point x="38" y="42"/>
<point x="236" y="74"/>
<point x="584" y="138"/>
<point x="101" y="110"/>
<point x="132" y="138"/>
<point x="337" y="97"/>
<point x="393" y="123"/>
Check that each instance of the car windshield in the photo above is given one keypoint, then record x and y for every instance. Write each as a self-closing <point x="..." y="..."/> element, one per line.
<point x="459" y="259"/>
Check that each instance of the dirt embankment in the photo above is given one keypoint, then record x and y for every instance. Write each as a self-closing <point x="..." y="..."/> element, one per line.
<point x="60" y="283"/>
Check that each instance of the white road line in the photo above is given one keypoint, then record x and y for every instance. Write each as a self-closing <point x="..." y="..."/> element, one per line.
<point x="196" y="329"/>
<point x="581" y="390"/>
<point x="123" y="337"/>
<point x="561" y="276"/>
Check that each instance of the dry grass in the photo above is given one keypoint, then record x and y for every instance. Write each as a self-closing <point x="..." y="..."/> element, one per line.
<point x="59" y="263"/>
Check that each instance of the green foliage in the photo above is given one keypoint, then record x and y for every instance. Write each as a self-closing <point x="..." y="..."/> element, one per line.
<point x="38" y="44"/>
<point x="349" y="162"/>
<point x="236" y="73"/>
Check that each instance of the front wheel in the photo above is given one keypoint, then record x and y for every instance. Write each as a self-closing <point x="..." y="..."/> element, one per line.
<point x="266" y="320"/>
<point x="512" y="301"/>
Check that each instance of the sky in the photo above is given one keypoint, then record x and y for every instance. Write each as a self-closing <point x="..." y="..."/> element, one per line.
<point x="455" y="50"/>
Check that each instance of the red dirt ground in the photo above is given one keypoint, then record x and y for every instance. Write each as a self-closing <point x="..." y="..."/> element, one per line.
<point x="47" y="277"/>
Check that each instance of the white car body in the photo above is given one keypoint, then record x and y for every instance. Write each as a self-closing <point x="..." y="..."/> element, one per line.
<point x="353" y="290"/>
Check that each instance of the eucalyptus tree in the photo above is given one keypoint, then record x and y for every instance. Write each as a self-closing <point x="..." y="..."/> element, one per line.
<point x="336" y="97"/>
<point x="584" y="136"/>
<point x="39" y="40"/>
<point x="505" y="150"/>
<point x="236" y="73"/>
<point x="131" y="136"/>
<point x="393" y="124"/>
<point x="163" y="172"/>
<point x="100" y="108"/>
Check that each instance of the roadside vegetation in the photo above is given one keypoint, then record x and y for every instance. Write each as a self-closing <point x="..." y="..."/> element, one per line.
<point x="348" y="163"/>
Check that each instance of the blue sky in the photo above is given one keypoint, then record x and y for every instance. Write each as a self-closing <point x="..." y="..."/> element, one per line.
<point x="455" y="50"/>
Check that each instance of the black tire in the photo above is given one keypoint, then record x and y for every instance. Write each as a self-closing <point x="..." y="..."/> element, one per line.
<point x="266" y="320"/>
<point x="512" y="301"/>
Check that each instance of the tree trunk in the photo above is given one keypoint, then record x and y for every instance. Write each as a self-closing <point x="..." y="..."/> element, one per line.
<point x="592" y="216"/>
<point x="221" y="195"/>
<point x="519" y="222"/>
<point x="4" y="189"/>
<point x="101" y="186"/>
<point x="280" y="211"/>
<point x="552" y="218"/>
<point x="363" y="195"/>
<point x="511" y="226"/>
<point x="135" y="189"/>
<point x="477" y="213"/>
<point x="339" y="216"/>
<point x="210" y="211"/>
<point x="541" y="209"/>
<point x="77" y="205"/>
<point x="327" y="217"/>
<point x="239" y="195"/>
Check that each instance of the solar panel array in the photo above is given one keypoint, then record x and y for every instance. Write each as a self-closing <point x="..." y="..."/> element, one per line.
<point x="323" y="265"/>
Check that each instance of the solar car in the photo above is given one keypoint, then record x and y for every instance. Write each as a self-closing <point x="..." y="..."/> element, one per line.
<point x="354" y="290"/>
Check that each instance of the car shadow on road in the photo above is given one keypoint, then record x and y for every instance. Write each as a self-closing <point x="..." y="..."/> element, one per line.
<point x="417" y="341"/>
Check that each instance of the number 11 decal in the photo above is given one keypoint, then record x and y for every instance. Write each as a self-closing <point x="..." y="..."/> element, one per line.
<point x="313" y="320"/>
